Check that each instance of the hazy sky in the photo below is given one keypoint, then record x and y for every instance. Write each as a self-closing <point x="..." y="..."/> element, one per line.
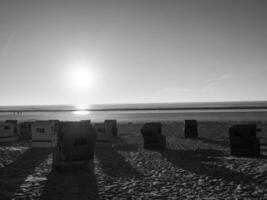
<point x="135" y="51"/>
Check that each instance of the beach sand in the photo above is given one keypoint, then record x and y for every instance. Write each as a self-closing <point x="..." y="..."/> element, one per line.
<point x="188" y="169"/>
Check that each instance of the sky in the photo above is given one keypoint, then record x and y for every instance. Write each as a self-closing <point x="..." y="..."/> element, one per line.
<point x="138" y="51"/>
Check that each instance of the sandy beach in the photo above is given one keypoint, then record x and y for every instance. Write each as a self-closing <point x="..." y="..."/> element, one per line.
<point x="188" y="169"/>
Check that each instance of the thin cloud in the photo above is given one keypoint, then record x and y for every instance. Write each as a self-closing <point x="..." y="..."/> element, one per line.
<point x="220" y="78"/>
<point x="177" y="89"/>
<point x="210" y="85"/>
<point x="213" y="83"/>
<point x="208" y="88"/>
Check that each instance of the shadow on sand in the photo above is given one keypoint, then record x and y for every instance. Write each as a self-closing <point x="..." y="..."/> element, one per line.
<point x="263" y="145"/>
<point x="71" y="185"/>
<point x="112" y="163"/>
<point x="225" y="144"/>
<point x="14" y="174"/>
<point x="210" y="141"/>
<point x="120" y="144"/>
<point x="204" y="162"/>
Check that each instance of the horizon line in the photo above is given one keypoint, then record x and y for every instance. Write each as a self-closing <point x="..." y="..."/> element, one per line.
<point x="128" y="107"/>
<point x="138" y="103"/>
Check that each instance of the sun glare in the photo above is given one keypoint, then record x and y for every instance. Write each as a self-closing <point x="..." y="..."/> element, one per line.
<point x="82" y="77"/>
<point x="81" y="109"/>
<point x="82" y="106"/>
<point x="81" y="112"/>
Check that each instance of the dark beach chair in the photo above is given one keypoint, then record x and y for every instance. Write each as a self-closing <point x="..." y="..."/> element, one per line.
<point x="244" y="141"/>
<point x="113" y="126"/>
<point x="153" y="138"/>
<point x="190" y="129"/>
<point x="75" y="146"/>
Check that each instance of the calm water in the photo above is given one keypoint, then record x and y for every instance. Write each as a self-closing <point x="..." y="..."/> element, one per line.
<point x="233" y="111"/>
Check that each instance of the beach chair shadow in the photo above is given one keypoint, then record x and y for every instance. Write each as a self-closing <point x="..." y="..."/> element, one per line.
<point x="14" y="174"/>
<point x="120" y="144"/>
<point x="225" y="144"/>
<point x="71" y="185"/>
<point x="215" y="142"/>
<point x="263" y="146"/>
<point x="114" y="164"/>
<point x="203" y="162"/>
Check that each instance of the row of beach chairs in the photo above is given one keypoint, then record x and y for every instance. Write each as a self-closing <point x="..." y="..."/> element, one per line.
<point x="73" y="143"/>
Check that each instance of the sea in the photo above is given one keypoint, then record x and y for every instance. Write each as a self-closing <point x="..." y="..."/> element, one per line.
<point x="207" y="111"/>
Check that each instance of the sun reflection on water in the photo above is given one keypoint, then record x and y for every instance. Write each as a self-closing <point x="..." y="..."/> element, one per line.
<point x="81" y="109"/>
<point x="81" y="112"/>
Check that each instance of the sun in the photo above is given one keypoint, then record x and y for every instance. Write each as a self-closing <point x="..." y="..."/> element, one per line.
<point x="82" y="77"/>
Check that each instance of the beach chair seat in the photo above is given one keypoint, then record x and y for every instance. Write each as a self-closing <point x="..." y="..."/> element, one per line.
<point x="243" y="140"/>
<point x="153" y="138"/>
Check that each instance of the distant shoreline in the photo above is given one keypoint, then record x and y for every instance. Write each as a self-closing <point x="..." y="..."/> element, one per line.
<point x="189" y="106"/>
<point x="140" y="109"/>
